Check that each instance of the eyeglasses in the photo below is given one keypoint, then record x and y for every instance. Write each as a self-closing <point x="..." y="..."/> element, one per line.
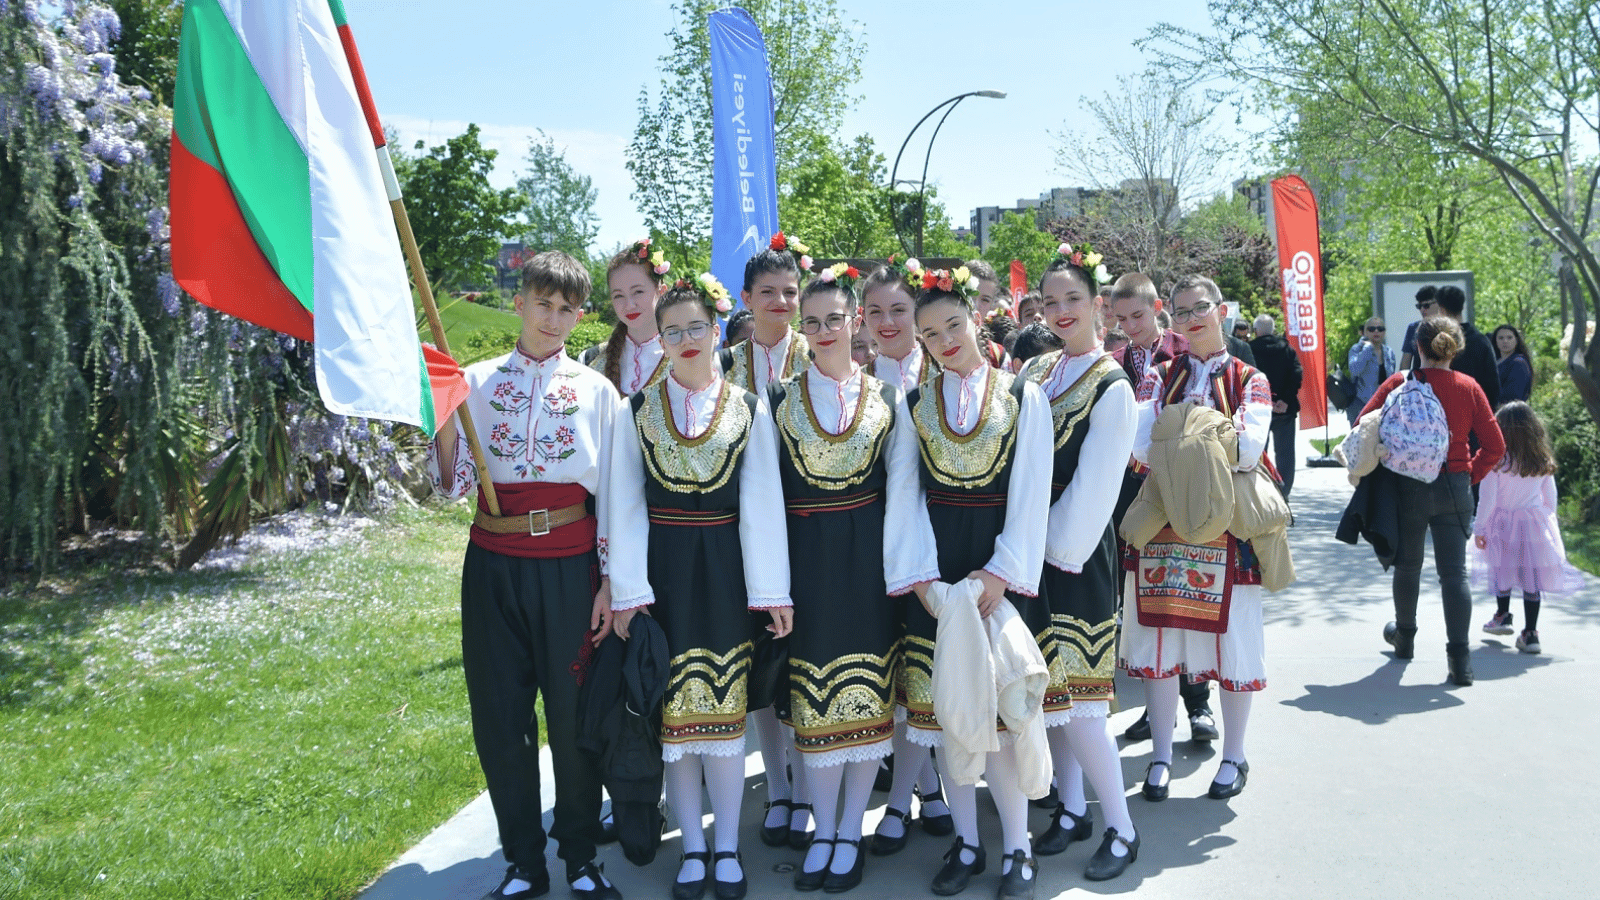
<point x="813" y="325"/>
<point x="695" y="332"/>
<point x="1201" y="309"/>
<point x="1376" y="328"/>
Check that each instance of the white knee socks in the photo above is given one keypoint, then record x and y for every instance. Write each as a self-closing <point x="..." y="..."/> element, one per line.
<point x="909" y="760"/>
<point x="1005" y="786"/>
<point x="683" y="796"/>
<point x="1235" y="721"/>
<point x="963" y="799"/>
<point x="1093" y="746"/>
<point x="725" y="784"/>
<point x="1161" y="702"/>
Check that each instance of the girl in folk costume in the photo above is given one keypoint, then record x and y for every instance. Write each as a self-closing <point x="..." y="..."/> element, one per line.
<point x="772" y="292"/>
<point x="848" y="461"/>
<point x="1206" y="375"/>
<point x="534" y="580"/>
<point x="696" y="474"/>
<point x="889" y="306"/>
<point x="984" y="441"/>
<point x="632" y="358"/>
<point x="1092" y="408"/>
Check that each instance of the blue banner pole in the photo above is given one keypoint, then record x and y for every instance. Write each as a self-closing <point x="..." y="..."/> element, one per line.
<point x="744" y="186"/>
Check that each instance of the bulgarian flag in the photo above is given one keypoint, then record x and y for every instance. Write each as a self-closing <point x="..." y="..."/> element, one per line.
<point x="280" y="206"/>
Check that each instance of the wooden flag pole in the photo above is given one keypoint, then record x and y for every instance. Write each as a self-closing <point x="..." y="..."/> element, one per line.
<point x="408" y="241"/>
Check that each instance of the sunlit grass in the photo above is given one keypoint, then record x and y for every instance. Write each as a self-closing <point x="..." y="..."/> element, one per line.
<point x="284" y="730"/>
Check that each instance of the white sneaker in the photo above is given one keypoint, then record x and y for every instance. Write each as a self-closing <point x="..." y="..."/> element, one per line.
<point x="1528" y="641"/>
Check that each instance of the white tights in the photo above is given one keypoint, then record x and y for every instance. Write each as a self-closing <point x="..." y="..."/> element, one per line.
<point x="781" y="762"/>
<point x="913" y="770"/>
<point x="1161" y="700"/>
<point x="724" y="780"/>
<point x="824" y="783"/>
<point x="1085" y="746"/>
<point x="1005" y="787"/>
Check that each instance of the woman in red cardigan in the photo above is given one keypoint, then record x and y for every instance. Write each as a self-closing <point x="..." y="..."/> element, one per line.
<point x="1443" y="507"/>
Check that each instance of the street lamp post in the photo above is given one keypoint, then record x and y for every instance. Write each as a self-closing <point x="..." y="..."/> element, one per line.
<point x="922" y="186"/>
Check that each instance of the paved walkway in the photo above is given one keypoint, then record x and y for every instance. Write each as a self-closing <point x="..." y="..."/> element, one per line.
<point x="1370" y="777"/>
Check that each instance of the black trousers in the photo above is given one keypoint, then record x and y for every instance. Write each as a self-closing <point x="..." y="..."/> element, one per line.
<point x="1444" y="509"/>
<point x="1283" y="447"/>
<point x="523" y="623"/>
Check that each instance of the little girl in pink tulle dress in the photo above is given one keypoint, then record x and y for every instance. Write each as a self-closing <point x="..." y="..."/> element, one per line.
<point x="1516" y="528"/>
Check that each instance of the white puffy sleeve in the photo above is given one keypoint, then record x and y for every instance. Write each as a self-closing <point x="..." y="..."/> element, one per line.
<point x="1019" y="548"/>
<point x="1079" y="516"/>
<point x="1253" y="420"/>
<point x="910" y="556"/>
<point x="763" y="534"/>
<point x="608" y="414"/>
<point x="628" y="522"/>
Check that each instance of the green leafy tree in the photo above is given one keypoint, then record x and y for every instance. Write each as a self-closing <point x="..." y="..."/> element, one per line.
<point x="147" y="48"/>
<point x="458" y="218"/>
<point x="1018" y="236"/>
<point x="1511" y="86"/>
<point x="815" y="62"/>
<point x="559" y="209"/>
<point x="836" y="200"/>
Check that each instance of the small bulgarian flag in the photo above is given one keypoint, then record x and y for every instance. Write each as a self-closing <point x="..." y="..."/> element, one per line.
<point x="280" y="206"/>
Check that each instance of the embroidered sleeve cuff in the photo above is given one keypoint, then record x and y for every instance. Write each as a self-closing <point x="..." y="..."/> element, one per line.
<point x="1063" y="565"/>
<point x="768" y="602"/>
<point x="904" y="586"/>
<point x="1026" y="590"/>
<point x="620" y="604"/>
<point x="603" y="548"/>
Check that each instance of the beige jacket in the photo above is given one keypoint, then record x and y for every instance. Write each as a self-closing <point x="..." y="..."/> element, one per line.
<point x="1361" y="451"/>
<point x="983" y="670"/>
<point x="1192" y="487"/>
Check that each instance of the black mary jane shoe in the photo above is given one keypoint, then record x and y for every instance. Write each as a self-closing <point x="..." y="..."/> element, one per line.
<point x="602" y="890"/>
<point x="938" y="826"/>
<point x="1153" y="792"/>
<point x="953" y="877"/>
<point x="1012" y="885"/>
<point x="693" y="890"/>
<point x="1138" y="731"/>
<point x="800" y="840"/>
<point x="776" y="835"/>
<point x="1221" y="791"/>
<point x="887" y="846"/>
<point x="729" y="890"/>
<point x="1105" y="865"/>
<point x="810" y="881"/>
<point x="539" y="885"/>
<point x="1056" y="839"/>
<point x="838" y="884"/>
<point x="1048" y="801"/>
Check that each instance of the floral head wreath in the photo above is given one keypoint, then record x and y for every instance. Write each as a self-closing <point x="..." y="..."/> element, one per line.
<point x="788" y="242"/>
<point x="708" y="289"/>
<point x="1085" y="257"/>
<point x="657" y="261"/>
<point x="840" y="273"/>
<point x="959" y="281"/>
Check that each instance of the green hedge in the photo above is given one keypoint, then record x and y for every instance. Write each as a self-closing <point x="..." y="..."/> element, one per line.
<point x="1576" y="441"/>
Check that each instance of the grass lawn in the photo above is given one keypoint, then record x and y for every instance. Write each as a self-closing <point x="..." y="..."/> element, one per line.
<point x="1583" y="546"/>
<point x="1325" y="447"/>
<point x="283" y="730"/>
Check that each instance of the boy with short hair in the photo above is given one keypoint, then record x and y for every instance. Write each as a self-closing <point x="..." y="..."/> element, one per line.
<point x="534" y="583"/>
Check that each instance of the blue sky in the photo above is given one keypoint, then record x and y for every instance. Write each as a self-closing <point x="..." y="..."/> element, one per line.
<point x="574" y="69"/>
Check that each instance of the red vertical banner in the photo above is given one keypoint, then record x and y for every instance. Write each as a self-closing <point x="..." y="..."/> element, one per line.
<point x="1300" y="259"/>
<point x="1019" y="282"/>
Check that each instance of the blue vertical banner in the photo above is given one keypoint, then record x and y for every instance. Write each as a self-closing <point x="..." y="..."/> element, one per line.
<point x="744" y="184"/>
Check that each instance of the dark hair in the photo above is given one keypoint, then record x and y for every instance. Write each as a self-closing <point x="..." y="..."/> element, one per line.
<point x="1521" y="347"/>
<point x="1528" y="450"/>
<point x="816" y="286"/>
<point x="1062" y="265"/>
<point x="930" y="296"/>
<point x="999" y="327"/>
<point x="737" y="321"/>
<point x="1030" y="297"/>
<point x="681" y="293"/>
<point x="1198" y="283"/>
<point x="1426" y="292"/>
<point x="981" y="270"/>
<point x="1135" y="286"/>
<point x="619" y="332"/>
<point x="885" y="276"/>
<point x="552" y="272"/>
<point x="769" y="260"/>
<point x="1451" y="299"/>
<point x="1116" y="334"/>
<point x="1032" y="341"/>
<point x="1439" y="339"/>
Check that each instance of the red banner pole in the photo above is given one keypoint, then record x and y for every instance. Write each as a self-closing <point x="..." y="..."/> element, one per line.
<point x="1300" y="261"/>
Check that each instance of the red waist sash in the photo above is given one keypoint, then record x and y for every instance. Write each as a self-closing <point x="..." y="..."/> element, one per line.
<point x="517" y="499"/>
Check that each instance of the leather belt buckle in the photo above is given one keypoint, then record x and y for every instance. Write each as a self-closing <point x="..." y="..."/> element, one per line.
<point x="544" y="517"/>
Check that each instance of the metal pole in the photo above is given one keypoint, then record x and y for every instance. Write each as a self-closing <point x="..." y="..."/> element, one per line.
<point x="921" y="188"/>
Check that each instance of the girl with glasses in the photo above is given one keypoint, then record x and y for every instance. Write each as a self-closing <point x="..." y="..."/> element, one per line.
<point x="695" y="460"/>
<point x="848" y="464"/>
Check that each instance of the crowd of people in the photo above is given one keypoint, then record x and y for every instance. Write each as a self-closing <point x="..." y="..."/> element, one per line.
<point x="886" y="526"/>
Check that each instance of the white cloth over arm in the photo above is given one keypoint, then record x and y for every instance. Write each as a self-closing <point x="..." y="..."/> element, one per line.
<point x="763" y="535"/>
<point x="1019" y="548"/>
<point x="1078" y="517"/>
<point x="964" y="698"/>
<point x="910" y="554"/>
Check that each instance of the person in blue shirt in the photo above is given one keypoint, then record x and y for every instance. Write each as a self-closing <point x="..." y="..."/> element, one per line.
<point x="1370" y="361"/>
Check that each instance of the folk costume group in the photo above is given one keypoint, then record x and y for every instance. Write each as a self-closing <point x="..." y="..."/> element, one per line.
<point x="917" y="560"/>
